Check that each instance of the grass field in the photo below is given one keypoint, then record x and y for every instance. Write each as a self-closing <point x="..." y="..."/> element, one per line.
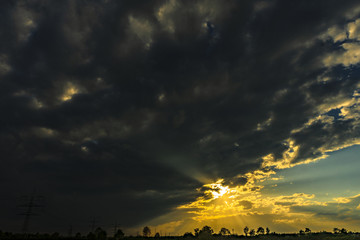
<point x="321" y="236"/>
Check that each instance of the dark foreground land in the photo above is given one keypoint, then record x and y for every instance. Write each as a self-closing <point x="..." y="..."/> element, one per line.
<point x="322" y="236"/>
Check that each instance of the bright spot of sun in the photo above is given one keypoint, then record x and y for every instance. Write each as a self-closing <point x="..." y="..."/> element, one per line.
<point x="217" y="189"/>
<point x="219" y="201"/>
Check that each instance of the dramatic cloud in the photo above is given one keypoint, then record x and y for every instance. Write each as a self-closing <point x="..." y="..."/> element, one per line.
<point x="126" y="111"/>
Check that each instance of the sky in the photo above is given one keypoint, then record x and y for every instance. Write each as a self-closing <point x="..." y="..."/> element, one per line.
<point x="178" y="114"/>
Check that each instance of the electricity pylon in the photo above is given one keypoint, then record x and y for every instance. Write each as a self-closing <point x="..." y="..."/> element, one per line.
<point x="28" y="213"/>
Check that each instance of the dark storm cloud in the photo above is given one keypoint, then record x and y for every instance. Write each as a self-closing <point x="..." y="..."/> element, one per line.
<point x="129" y="106"/>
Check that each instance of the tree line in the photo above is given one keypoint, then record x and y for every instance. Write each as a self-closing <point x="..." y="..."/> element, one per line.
<point x="203" y="233"/>
<point x="207" y="230"/>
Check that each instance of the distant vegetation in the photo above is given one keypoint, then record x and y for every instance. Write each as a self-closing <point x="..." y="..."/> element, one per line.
<point x="201" y="234"/>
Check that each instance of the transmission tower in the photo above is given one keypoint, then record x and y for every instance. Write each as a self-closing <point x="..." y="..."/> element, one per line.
<point x="93" y="224"/>
<point x="28" y="213"/>
<point x="115" y="228"/>
<point x="70" y="231"/>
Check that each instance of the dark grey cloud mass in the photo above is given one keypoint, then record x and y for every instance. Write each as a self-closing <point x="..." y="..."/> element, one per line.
<point x="119" y="110"/>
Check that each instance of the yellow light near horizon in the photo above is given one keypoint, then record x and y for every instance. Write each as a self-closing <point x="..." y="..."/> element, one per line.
<point x="219" y="201"/>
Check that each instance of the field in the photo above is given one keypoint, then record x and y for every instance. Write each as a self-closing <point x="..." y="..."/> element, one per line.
<point x="321" y="236"/>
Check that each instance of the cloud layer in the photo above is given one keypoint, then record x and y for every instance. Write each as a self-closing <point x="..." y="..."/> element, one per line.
<point x="115" y="107"/>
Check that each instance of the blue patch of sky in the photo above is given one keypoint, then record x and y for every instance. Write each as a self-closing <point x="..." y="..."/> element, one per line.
<point x="336" y="176"/>
<point x="335" y="113"/>
<point x="341" y="73"/>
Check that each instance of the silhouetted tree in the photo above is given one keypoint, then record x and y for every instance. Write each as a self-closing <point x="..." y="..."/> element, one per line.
<point x="196" y="231"/>
<point x="343" y="231"/>
<point x="301" y="232"/>
<point x="336" y="230"/>
<point x="207" y="229"/>
<point x="260" y="230"/>
<point x="206" y="232"/>
<point x="55" y="235"/>
<point x="91" y="236"/>
<point x="307" y="230"/>
<point x="252" y="232"/>
<point x="78" y="235"/>
<point x="146" y="231"/>
<point x="267" y="231"/>
<point x="119" y="234"/>
<point x="188" y="234"/>
<point x="224" y="231"/>
<point x="246" y="230"/>
<point x="100" y="233"/>
<point x="157" y="235"/>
